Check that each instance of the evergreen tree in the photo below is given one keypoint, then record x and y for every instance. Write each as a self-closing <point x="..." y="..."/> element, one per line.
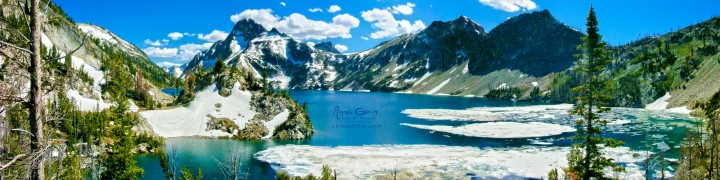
<point x="219" y="66"/>
<point x="264" y="80"/>
<point x="585" y="160"/>
<point x="326" y="173"/>
<point x="119" y="160"/>
<point x="178" y="84"/>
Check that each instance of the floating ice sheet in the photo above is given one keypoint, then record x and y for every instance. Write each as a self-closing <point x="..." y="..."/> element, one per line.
<point x="500" y="129"/>
<point x="426" y="161"/>
<point x="490" y="113"/>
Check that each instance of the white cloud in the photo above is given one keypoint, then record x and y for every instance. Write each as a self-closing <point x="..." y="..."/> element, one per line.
<point x="334" y="8"/>
<point x="175" y="35"/>
<point x="155" y="43"/>
<point x="263" y="17"/>
<point x="188" y="51"/>
<point x="215" y="35"/>
<point x="315" y="10"/>
<point x="387" y="25"/>
<point x="346" y="20"/>
<point x="510" y="5"/>
<point x="299" y="26"/>
<point x="161" y="52"/>
<point x="283" y="4"/>
<point x="405" y="9"/>
<point x="341" y="48"/>
<point x="189" y="34"/>
<point x="364" y="38"/>
<point x="168" y="64"/>
<point x="165" y="41"/>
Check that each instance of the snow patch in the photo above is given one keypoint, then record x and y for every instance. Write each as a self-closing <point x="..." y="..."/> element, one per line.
<point x="439" y="86"/>
<point x="95" y="73"/>
<point x="46" y="41"/>
<point x="661" y="105"/>
<point x="86" y="104"/>
<point x="426" y="75"/>
<point x="466" y="69"/>
<point x="277" y="120"/>
<point x="96" y="32"/>
<point x="282" y="79"/>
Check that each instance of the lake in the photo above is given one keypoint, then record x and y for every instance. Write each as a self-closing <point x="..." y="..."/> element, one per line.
<point x="370" y="118"/>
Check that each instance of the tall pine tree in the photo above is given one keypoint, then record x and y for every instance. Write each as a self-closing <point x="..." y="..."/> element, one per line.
<point x="585" y="160"/>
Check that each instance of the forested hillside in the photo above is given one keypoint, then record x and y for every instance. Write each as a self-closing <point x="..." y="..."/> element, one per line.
<point x="684" y="63"/>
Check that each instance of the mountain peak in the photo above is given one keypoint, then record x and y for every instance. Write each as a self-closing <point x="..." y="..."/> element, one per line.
<point x="543" y="15"/>
<point x="248" y="29"/>
<point x="462" y="23"/>
<point x="462" y="18"/>
<point x="326" y="46"/>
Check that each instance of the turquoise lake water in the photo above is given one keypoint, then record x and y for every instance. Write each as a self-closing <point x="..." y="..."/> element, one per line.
<point x="376" y="121"/>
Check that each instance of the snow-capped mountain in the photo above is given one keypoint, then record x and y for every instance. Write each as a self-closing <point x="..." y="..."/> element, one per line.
<point x="106" y="36"/>
<point x="455" y="57"/>
<point x="176" y="70"/>
<point x="289" y="63"/>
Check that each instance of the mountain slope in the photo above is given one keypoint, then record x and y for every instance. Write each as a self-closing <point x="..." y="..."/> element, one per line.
<point x="681" y="66"/>
<point x="527" y="42"/>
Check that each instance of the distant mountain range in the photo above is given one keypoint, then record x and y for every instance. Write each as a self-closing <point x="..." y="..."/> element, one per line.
<point x="455" y="57"/>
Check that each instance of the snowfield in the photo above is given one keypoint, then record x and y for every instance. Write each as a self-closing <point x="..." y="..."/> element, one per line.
<point x="92" y="105"/>
<point x="429" y="161"/>
<point x="500" y="130"/>
<point x="490" y="113"/>
<point x="94" y="31"/>
<point x="191" y="120"/>
<point x="86" y="104"/>
<point x="45" y="40"/>
<point x="661" y="105"/>
<point x="94" y="73"/>
<point x="277" y="120"/>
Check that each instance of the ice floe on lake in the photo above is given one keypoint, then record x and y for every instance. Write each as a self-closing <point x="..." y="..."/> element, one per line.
<point x="500" y="129"/>
<point x="428" y="161"/>
<point x="490" y="113"/>
<point x="619" y="120"/>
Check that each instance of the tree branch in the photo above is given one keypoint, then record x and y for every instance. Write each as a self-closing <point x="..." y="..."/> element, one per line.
<point x="82" y="43"/>
<point x="3" y="166"/>
<point x="22" y="130"/>
<point x="11" y="98"/>
<point x="16" y="47"/>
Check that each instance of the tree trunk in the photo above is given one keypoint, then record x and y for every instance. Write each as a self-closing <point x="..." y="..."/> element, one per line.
<point x="36" y="124"/>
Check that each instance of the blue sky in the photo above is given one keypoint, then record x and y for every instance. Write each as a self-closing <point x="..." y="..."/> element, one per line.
<point x="360" y="25"/>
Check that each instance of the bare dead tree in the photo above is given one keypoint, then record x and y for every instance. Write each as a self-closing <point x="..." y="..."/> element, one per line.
<point x="172" y="163"/>
<point x="36" y="100"/>
<point x="36" y="157"/>
<point x="231" y="167"/>
<point x="394" y="171"/>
